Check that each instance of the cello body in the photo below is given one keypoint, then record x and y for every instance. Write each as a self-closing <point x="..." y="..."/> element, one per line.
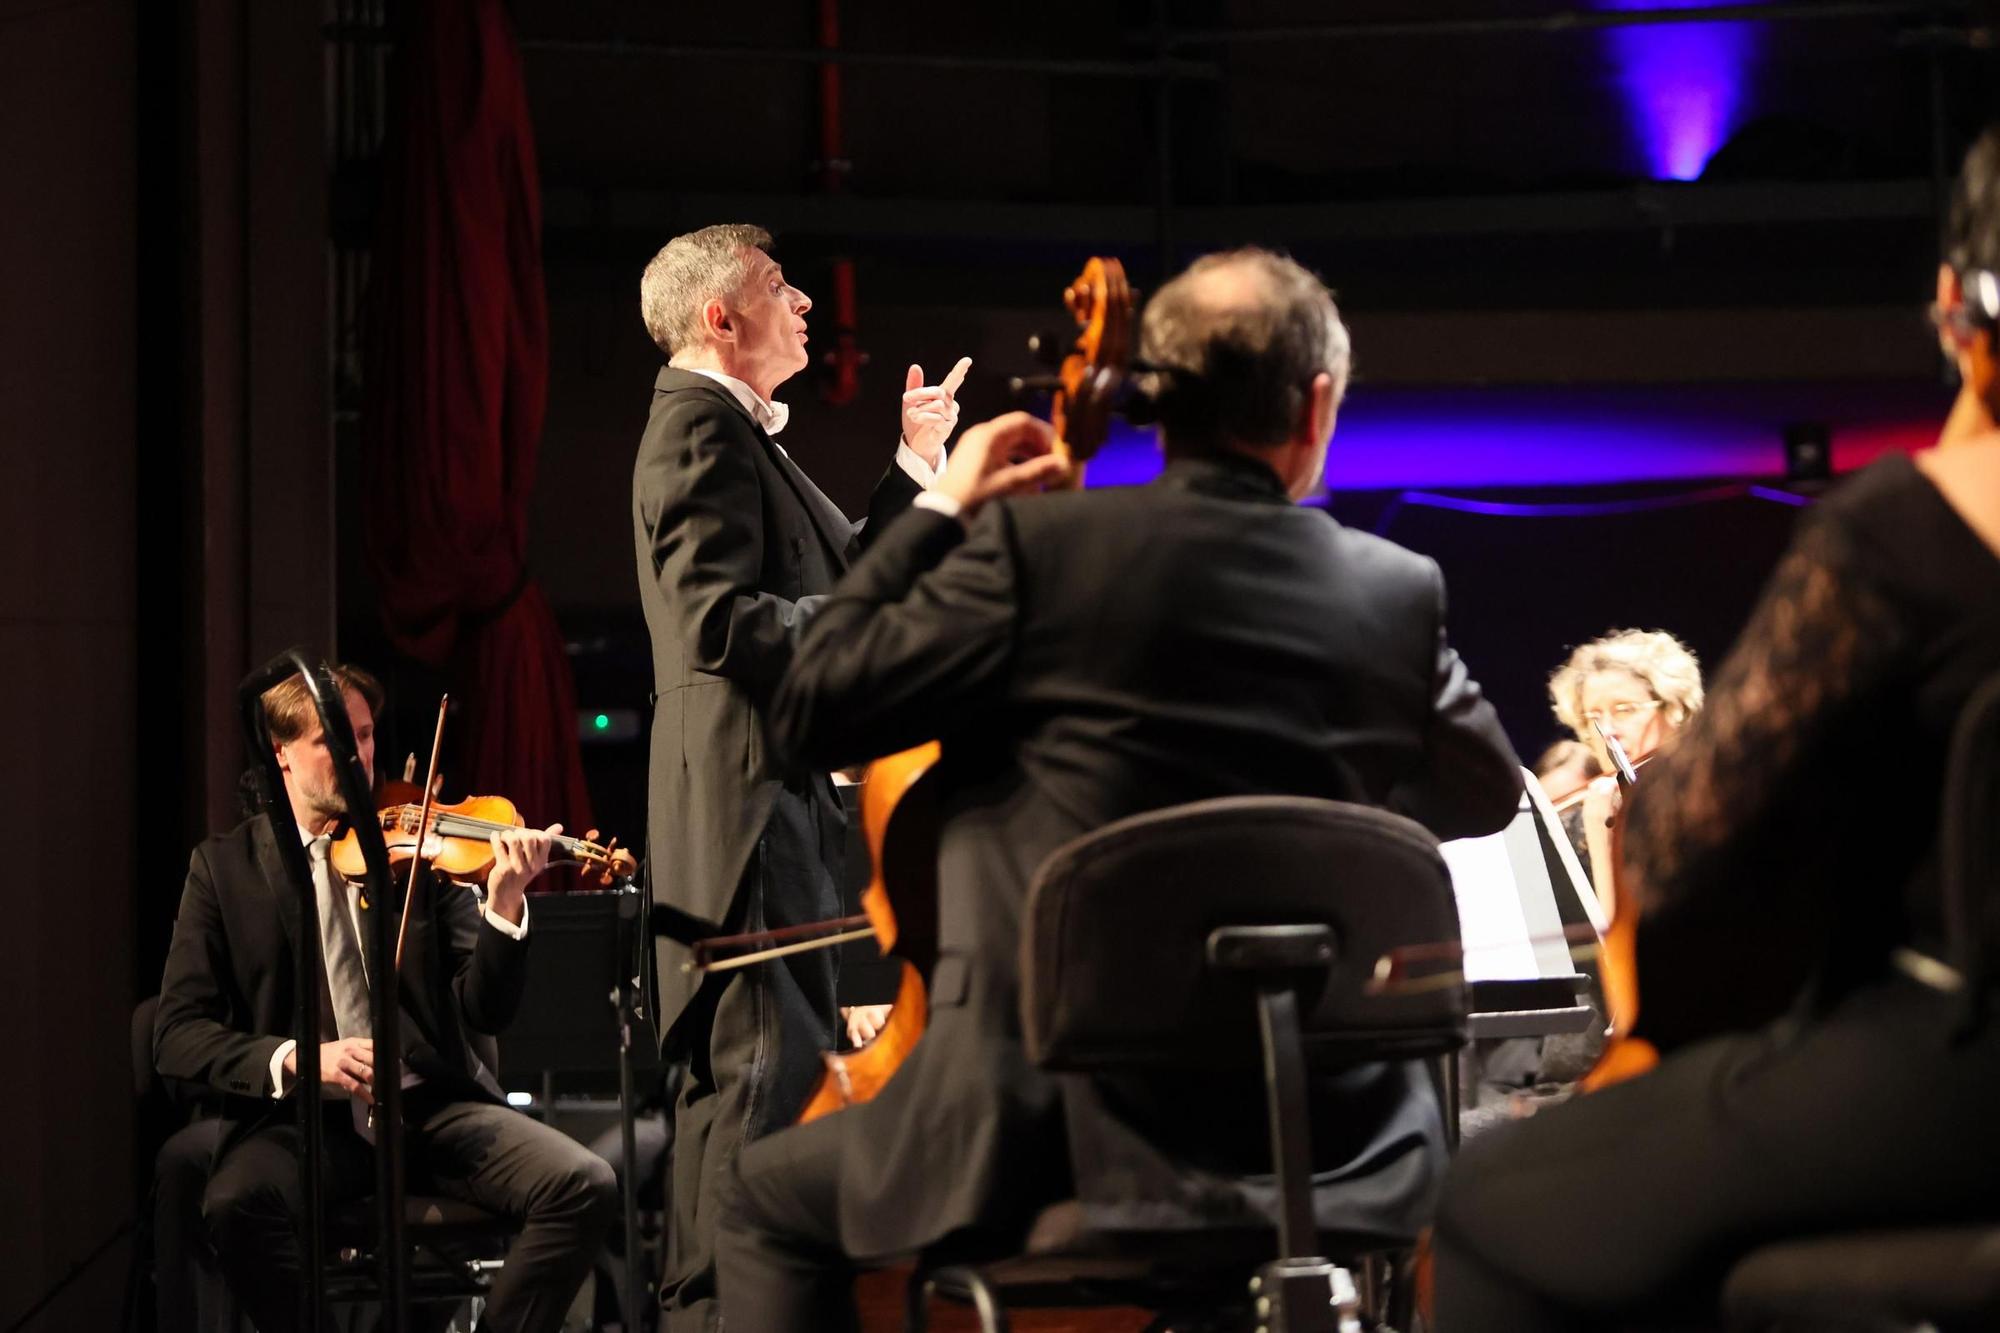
<point x="899" y="824"/>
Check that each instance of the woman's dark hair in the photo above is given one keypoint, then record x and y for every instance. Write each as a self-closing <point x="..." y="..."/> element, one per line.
<point x="1972" y="225"/>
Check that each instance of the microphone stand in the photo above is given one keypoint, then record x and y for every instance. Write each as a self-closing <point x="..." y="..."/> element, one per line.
<point x="626" y="999"/>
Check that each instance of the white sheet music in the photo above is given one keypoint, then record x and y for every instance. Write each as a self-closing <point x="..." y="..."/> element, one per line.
<point x="1490" y="917"/>
<point x="1506" y="891"/>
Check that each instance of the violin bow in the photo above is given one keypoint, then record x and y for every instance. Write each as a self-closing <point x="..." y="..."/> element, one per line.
<point x="823" y="935"/>
<point x="423" y="824"/>
<point x="1391" y="973"/>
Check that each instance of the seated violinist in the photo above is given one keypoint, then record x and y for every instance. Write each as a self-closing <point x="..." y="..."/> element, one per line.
<point x="227" y="1007"/>
<point x="1870" y="1103"/>
<point x="1085" y="656"/>
<point x="1641" y="687"/>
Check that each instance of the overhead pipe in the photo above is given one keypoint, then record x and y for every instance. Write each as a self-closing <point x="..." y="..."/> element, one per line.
<point x="1563" y="21"/>
<point x="842" y="382"/>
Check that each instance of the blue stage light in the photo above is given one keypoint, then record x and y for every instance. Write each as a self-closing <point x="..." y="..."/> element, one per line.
<point x="1685" y="85"/>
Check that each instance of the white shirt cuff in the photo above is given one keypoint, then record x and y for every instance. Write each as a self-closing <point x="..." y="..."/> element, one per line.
<point x="281" y="1082"/>
<point x="918" y="470"/>
<point x="506" y="927"/>
<point x="938" y="502"/>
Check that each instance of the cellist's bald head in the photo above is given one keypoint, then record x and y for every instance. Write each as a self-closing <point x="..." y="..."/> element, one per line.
<point x="1248" y="354"/>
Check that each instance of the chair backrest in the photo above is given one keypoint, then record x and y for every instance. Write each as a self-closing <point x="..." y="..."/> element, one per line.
<point x="1113" y="956"/>
<point x="145" y="1079"/>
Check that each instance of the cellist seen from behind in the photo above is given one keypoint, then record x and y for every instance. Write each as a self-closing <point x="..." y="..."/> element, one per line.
<point x="1081" y="656"/>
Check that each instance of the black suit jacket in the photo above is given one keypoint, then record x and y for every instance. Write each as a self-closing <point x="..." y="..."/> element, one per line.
<point x="1085" y="657"/>
<point x="230" y="998"/>
<point x="736" y="549"/>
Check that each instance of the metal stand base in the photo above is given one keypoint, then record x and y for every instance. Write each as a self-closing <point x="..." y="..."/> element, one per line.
<point x="1305" y="1296"/>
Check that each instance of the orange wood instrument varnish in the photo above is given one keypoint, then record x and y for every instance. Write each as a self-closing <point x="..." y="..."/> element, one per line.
<point x="458" y="838"/>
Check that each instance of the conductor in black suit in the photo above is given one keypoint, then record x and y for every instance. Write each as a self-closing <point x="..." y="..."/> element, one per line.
<point x="228" y="1006"/>
<point x="736" y="550"/>
<point x="1085" y="656"/>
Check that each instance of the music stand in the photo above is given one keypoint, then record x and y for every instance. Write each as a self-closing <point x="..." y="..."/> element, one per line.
<point x="581" y="1014"/>
<point x="1517" y="891"/>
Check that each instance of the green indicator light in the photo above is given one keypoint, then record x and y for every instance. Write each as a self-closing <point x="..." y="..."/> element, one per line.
<point x="603" y="722"/>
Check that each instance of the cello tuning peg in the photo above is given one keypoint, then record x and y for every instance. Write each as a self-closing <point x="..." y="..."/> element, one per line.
<point x="1017" y="385"/>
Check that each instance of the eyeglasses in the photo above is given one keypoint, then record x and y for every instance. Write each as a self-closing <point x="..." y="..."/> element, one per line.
<point x="1620" y="712"/>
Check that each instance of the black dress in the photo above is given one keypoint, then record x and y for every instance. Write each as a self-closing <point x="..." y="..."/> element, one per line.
<point x="1782" y="852"/>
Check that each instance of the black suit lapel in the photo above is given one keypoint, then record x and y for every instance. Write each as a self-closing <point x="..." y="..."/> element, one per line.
<point x="272" y="869"/>
<point x="833" y="526"/>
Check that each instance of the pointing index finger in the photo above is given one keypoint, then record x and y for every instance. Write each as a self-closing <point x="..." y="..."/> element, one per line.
<point x="957" y="376"/>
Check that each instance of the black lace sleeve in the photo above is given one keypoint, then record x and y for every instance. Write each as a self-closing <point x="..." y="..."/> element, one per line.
<point x="1822" y="636"/>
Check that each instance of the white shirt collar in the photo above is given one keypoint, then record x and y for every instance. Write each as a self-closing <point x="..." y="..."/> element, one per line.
<point x="771" y="416"/>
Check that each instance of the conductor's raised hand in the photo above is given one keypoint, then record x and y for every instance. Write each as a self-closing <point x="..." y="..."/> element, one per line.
<point x="1009" y="455"/>
<point x="519" y="854"/>
<point x="930" y="412"/>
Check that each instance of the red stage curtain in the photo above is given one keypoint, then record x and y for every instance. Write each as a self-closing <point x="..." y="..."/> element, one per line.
<point x="457" y="382"/>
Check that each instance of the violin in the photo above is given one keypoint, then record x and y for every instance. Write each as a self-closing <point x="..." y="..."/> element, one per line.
<point x="458" y="838"/>
<point x="899" y="806"/>
<point x="1626" y="1054"/>
<point x="1571" y="800"/>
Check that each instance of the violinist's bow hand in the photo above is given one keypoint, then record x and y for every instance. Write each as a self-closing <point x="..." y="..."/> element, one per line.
<point x="347" y="1064"/>
<point x="1601" y="802"/>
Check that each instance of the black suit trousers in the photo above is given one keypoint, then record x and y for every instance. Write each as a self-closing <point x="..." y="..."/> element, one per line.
<point x="1634" y="1201"/>
<point x="188" y="1294"/>
<point x="755" y="1045"/>
<point x="780" y="1257"/>
<point x="564" y="1197"/>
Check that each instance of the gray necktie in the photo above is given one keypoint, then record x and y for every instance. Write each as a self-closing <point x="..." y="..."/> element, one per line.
<point x="346" y="975"/>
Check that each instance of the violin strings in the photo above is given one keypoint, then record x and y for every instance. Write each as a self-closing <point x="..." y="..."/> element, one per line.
<point x="443" y="823"/>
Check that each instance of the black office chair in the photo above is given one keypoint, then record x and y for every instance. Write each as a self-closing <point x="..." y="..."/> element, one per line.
<point x="1255" y="923"/>
<point x="1937" y="1279"/>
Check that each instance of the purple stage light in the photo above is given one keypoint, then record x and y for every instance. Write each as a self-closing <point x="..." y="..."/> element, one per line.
<point x="1393" y="439"/>
<point x="1683" y="84"/>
